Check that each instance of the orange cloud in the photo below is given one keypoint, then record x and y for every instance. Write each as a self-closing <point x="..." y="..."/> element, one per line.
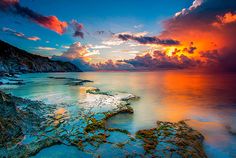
<point x="33" y="38"/>
<point x="78" y="51"/>
<point x="46" y="48"/>
<point x="225" y="19"/>
<point x="52" y="23"/>
<point x="211" y="28"/>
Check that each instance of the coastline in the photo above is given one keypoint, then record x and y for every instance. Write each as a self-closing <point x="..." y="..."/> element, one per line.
<point x="88" y="131"/>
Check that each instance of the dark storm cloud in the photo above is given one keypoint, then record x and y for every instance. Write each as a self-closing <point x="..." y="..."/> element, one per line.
<point x="147" y="39"/>
<point x="191" y="49"/>
<point x="160" y="60"/>
<point x="206" y="13"/>
<point x="77" y="29"/>
<point x="210" y="55"/>
<point x="100" y="32"/>
<point x="220" y="62"/>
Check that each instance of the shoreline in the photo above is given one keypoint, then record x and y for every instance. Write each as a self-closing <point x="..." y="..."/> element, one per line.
<point x="88" y="132"/>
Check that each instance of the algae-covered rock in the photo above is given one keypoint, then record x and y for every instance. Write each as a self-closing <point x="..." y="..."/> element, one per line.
<point x="27" y="127"/>
<point x="10" y="124"/>
<point x="169" y="139"/>
<point x="19" y="118"/>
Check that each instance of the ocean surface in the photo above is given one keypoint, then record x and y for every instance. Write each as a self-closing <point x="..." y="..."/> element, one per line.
<point x="206" y="101"/>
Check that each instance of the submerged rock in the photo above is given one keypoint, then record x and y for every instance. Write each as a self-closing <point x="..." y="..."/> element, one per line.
<point x="34" y="126"/>
<point x="72" y="81"/>
<point x="19" y="117"/>
<point x="10" y="81"/>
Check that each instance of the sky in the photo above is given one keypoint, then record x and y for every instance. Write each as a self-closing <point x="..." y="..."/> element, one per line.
<point x="125" y="34"/>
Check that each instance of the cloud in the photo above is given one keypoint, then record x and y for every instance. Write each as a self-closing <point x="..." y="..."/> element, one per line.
<point x="79" y="51"/>
<point x="191" y="49"/>
<point x="33" y="38"/>
<point x="4" y="4"/>
<point x="100" y="47"/>
<point x="132" y="52"/>
<point x="198" y="18"/>
<point x="100" y="32"/>
<point x="66" y="47"/>
<point x="19" y="34"/>
<point x="49" y="22"/>
<point x="184" y="11"/>
<point x="227" y="18"/>
<point x="111" y="65"/>
<point x="76" y="50"/>
<point x="160" y="60"/>
<point x="77" y="29"/>
<point x="93" y="52"/>
<point x="210" y="55"/>
<point x="210" y="25"/>
<point x="220" y="62"/>
<point x="147" y="39"/>
<point x="138" y="26"/>
<point x="115" y="41"/>
<point x="112" y="42"/>
<point x="46" y="48"/>
<point x="78" y="54"/>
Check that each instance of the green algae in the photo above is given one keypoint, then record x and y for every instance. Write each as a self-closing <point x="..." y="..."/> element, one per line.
<point x="149" y="138"/>
<point x="120" y="145"/>
<point x="118" y="130"/>
<point x="91" y="127"/>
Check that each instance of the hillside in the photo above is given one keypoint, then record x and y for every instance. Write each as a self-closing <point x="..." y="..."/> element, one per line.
<point x="13" y="59"/>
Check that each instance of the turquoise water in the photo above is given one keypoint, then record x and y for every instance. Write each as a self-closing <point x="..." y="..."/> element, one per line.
<point x="61" y="151"/>
<point x="207" y="101"/>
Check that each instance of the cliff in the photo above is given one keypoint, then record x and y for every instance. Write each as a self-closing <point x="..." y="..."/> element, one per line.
<point x="13" y="59"/>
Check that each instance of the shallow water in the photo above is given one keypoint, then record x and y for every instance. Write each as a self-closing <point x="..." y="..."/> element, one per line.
<point x="208" y="100"/>
<point x="59" y="151"/>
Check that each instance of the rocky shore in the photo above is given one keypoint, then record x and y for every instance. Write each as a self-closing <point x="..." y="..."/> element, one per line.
<point x="27" y="127"/>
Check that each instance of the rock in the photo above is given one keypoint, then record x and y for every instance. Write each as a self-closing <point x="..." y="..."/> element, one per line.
<point x="30" y="126"/>
<point x="14" y="60"/>
<point x="172" y="139"/>
<point x="71" y="81"/>
<point x="10" y="124"/>
<point x="97" y="91"/>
